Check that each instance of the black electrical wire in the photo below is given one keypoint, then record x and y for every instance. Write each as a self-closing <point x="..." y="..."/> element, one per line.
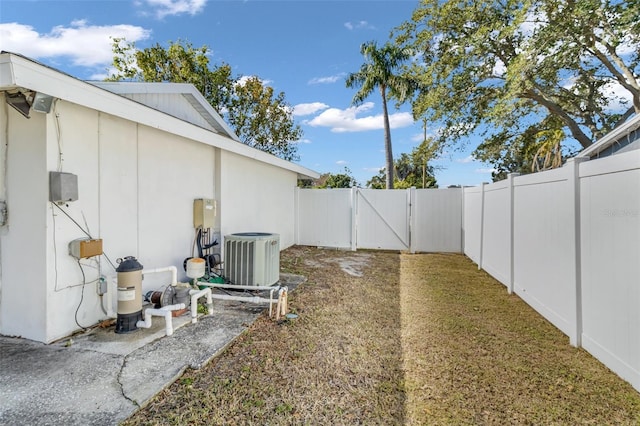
<point x="72" y="220"/>
<point x="84" y="283"/>
<point x="109" y="260"/>
<point x="83" y="230"/>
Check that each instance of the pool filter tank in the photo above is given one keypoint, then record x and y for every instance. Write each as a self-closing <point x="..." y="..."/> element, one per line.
<point x="129" y="294"/>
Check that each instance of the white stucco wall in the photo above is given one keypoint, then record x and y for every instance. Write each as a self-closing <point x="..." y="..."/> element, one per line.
<point x="136" y="189"/>
<point x="256" y="197"/>
<point x="23" y="306"/>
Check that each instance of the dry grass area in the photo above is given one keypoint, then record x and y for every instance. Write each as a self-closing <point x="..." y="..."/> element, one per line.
<point x="389" y="339"/>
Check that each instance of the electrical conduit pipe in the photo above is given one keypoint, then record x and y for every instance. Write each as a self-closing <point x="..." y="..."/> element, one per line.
<point x="165" y="312"/>
<point x="195" y="295"/>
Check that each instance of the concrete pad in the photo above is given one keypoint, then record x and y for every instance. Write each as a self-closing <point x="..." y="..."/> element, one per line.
<point x="101" y="378"/>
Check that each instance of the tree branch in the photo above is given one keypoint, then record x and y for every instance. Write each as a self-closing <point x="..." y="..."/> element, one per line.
<point x="556" y="110"/>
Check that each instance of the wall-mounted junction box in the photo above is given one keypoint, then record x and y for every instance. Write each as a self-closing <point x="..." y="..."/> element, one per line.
<point x="204" y="213"/>
<point x="85" y="247"/>
<point x="63" y="187"/>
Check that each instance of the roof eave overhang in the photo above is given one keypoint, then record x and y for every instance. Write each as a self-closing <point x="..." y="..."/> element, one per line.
<point x="21" y="72"/>
<point x="610" y="138"/>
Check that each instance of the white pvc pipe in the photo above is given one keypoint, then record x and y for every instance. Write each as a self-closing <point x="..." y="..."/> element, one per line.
<point x="111" y="283"/>
<point x="257" y="299"/>
<point x="195" y="295"/>
<point x="172" y="269"/>
<point x="253" y="299"/>
<point x="238" y="287"/>
<point x="165" y="312"/>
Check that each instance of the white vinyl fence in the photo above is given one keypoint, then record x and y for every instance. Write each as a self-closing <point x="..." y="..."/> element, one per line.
<point x="567" y="241"/>
<point x="415" y="220"/>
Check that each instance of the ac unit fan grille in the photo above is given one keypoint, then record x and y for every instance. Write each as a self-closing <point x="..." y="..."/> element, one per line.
<point x="252" y="259"/>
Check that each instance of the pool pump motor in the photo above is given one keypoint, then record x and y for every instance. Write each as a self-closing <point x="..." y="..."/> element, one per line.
<point x="129" y="294"/>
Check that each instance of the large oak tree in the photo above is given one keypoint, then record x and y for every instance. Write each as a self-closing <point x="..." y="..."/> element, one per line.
<point x="527" y="75"/>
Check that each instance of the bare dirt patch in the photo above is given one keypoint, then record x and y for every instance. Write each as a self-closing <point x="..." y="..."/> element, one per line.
<point x="388" y="339"/>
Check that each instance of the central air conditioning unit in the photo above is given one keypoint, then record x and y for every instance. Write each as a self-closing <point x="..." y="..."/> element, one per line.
<point x="252" y="258"/>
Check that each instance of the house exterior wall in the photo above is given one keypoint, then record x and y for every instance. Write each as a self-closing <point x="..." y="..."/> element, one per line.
<point x="136" y="187"/>
<point x="256" y="197"/>
<point x="172" y="173"/>
<point x="23" y="291"/>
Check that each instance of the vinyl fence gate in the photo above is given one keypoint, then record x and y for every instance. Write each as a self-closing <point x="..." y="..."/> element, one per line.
<point x="415" y="220"/>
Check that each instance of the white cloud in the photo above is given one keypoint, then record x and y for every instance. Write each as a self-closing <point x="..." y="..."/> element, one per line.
<point x="99" y="76"/>
<point x="373" y="169"/>
<point x="341" y="162"/>
<point x="86" y="45"/>
<point x="417" y="137"/>
<point x="485" y="171"/>
<point x="346" y="120"/>
<point x="243" y="80"/>
<point x="163" y="8"/>
<point x="499" y="69"/>
<point x="305" y="141"/>
<point x="532" y="23"/>
<point x="308" y="109"/>
<point x="465" y="160"/>
<point x="359" y="25"/>
<point x="327" y="80"/>
<point x="620" y="97"/>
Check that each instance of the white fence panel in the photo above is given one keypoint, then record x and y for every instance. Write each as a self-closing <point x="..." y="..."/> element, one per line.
<point x="496" y="233"/>
<point x="472" y="222"/>
<point x="544" y="245"/>
<point x="437" y="222"/>
<point x="324" y="217"/>
<point x="610" y="242"/>
<point x="383" y="219"/>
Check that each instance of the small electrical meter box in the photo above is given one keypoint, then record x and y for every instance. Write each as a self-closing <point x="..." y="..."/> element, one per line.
<point x="204" y="213"/>
<point x="85" y="247"/>
<point x="63" y="187"/>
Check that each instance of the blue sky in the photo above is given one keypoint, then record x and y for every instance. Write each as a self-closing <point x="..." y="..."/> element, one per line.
<point x="304" y="48"/>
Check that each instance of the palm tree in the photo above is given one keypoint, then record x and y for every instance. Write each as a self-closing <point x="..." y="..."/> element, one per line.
<point x="378" y="71"/>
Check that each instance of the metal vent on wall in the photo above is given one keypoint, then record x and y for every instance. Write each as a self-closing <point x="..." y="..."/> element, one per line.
<point x="252" y="258"/>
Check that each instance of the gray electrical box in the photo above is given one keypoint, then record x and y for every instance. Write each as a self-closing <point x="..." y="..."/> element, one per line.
<point x="204" y="213"/>
<point x="63" y="187"/>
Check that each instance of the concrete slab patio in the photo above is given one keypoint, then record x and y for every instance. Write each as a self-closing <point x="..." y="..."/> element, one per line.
<point x="100" y="377"/>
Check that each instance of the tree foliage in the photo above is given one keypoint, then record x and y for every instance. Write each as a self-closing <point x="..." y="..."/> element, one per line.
<point x="330" y="180"/>
<point x="380" y="71"/>
<point x="259" y="117"/>
<point x="526" y="74"/>
<point x="264" y="119"/>
<point x="411" y="170"/>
